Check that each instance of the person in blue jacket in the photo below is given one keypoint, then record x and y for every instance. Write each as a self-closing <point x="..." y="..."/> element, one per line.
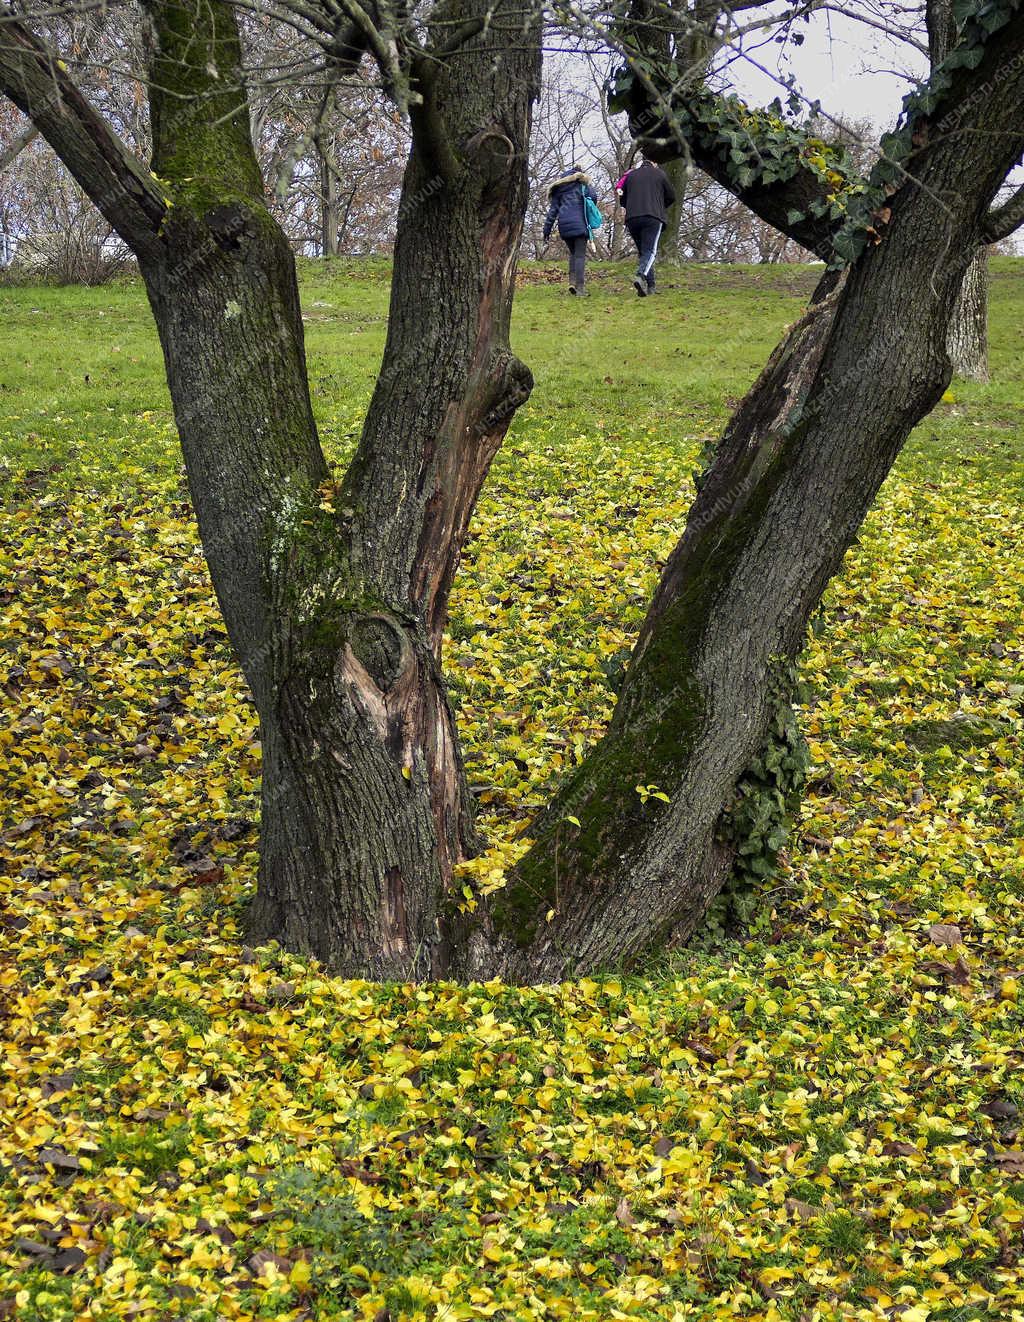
<point x="568" y="211"/>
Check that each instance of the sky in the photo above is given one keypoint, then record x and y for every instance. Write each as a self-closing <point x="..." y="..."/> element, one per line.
<point x="855" y="71"/>
<point x="848" y="66"/>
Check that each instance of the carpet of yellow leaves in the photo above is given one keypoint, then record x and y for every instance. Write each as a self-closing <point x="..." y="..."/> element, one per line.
<point x="817" y="1121"/>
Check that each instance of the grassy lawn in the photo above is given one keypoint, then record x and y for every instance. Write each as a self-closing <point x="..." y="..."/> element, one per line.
<point x="817" y="1121"/>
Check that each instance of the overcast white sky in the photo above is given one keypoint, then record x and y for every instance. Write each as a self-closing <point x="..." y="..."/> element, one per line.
<point x="846" y="65"/>
<point x="854" y="70"/>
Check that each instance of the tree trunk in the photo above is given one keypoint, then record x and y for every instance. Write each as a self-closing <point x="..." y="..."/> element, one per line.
<point x="613" y="873"/>
<point x="968" y="327"/>
<point x="335" y="594"/>
<point x="678" y="173"/>
<point x="365" y="803"/>
<point x="329" y="200"/>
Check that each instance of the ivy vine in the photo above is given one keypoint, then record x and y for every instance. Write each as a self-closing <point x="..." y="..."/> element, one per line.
<point x="756" y="823"/>
<point x="759" y="146"/>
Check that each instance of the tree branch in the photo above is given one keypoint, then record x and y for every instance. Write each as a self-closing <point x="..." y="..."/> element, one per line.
<point x="709" y="130"/>
<point x="39" y="85"/>
<point x="1001" y="222"/>
<point x="10" y="153"/>
<point x="797" y="182"/>
<point x="890" y="29"/>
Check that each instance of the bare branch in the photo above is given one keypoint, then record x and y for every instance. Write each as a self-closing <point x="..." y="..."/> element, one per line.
<point x="17" y="145"/>
<point x="892" y="30"/>
<point x="39" y="85"/>
<point x="1002" y="221"/>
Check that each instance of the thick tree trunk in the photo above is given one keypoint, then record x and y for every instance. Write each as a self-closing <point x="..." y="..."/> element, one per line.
<point x="335" y="594"/>
<point x="363" y="798"/>
<point x="612" y="872"/>
<point x="357" y="737"/>
<point x="365" y="804"/>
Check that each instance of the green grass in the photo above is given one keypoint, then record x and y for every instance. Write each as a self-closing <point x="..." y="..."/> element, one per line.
<point x="81" y="384"/>
<point x="795" y="1123"/>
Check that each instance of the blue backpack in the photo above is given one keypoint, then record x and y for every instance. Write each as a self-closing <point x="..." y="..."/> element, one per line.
<point x="591" y="212"/>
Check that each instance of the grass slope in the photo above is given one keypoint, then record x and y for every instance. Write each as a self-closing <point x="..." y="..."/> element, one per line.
<point x="818" y="1122"/>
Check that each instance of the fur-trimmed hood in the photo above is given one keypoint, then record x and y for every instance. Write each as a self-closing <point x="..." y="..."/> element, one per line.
<point x="577" y="177"/>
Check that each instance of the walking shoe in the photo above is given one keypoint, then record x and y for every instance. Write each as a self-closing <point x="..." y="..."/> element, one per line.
<point x="640" y="285"/>
<point x="583" y="292"/>
<point x="572" y="289"/>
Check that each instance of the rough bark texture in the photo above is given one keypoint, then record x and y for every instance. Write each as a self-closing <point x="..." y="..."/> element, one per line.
<point x="334" y="594"/>
<point x="968" y="327"/>
<point x="365" y="741"/>
<point x="789" y="486"/>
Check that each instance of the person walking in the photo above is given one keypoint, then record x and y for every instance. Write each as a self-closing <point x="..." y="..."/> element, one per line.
<point x="567" y="207"/>
<point x="646" y="193"/>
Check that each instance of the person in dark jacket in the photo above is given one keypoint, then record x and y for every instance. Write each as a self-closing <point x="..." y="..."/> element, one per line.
<point x="567" y="209"/>
<point x="646" y="194"/>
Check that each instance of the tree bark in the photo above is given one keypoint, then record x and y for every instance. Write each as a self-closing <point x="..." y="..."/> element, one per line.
<point x="365" y="807"/>
<point x="334" y="593"/>
<point x="678" y="173"/>
<point x="612" y="872"/>
<point x="968" y="326"/>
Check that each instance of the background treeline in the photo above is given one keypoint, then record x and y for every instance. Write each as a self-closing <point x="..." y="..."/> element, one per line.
<point x="335" y="158"/>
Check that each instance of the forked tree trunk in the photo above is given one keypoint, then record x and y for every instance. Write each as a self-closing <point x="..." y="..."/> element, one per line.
<point x="335" y="593"/>
<point x="365" y="803"/>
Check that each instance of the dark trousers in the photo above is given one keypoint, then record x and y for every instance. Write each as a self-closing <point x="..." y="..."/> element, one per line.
<point x="577" y="260"/>
<point x="645" y="232"/>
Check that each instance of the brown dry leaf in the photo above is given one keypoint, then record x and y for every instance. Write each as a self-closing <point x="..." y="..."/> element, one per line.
<point x="264" y="1256"/>
<point x="59" y="1159"/>
<point x="897" y="1148"/>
